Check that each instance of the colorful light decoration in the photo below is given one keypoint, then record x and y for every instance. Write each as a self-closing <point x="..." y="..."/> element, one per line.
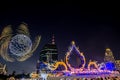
<point x="80" y="55"/>
<point x="110" y="66"/>
<point x="81" y="70"/>
<point x="92" y="63"/>
<point x="34" y="75"/>
<point x="102" y="66"/>
<point x="56" y="65"/>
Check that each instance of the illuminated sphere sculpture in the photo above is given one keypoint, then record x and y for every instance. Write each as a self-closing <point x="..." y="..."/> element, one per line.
<point x="20" y="45"/>
<point x="17" y="46"/>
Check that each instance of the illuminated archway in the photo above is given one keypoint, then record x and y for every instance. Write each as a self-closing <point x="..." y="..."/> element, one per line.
<point x="80" y="55"/>
<point x="92" y="63"/>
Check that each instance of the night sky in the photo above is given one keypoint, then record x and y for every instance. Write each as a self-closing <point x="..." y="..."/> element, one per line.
<point x="92" y="27"/>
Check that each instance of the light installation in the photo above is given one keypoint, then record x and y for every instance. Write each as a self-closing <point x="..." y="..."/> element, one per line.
<point x="98" y="69"/>
<point x="110" y="66"/>
<point x="17" y="45"/>
<point x="102" y="66"/>
<point x="92" y="63"/>
<point x="73" y="47"/>
<point x="56" y="65"/>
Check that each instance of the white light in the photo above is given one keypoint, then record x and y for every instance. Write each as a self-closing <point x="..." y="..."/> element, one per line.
<point x="44" y="76"/>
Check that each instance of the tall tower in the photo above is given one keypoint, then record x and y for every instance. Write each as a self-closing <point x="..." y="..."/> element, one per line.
<point x="109" y="56"/>
<point x="109" y="60"/>
<point x="38" y="67"/>
<point x="49" y="52"/>
<point x="117" y="65"/>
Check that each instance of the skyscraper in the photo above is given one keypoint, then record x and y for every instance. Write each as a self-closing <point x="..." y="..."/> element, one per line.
<point x="117" y="65"/>
<point x="109" y="56"/>
<point x="49" y="52"/>
<point x="109" y="60"/>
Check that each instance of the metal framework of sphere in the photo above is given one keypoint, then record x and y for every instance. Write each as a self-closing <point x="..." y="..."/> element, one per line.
<point x="20" y="45"/>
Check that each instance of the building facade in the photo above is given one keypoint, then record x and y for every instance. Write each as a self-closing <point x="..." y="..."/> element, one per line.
<point x="49" y="52"/>
<point x="117" y="65"/>
<point x="110" y="58"/>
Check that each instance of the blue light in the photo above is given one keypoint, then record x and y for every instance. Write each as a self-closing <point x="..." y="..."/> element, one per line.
<point x="110" y="66"/>
<point x="42" y="65"/>
<point x="67" y="74"/>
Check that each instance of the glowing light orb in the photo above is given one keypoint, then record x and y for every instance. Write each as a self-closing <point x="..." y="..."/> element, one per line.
<point x="20" y="45"/>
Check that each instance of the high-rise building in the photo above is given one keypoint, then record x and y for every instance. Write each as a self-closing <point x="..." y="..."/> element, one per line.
<point x="117" y="64"/>
<point x="49" y="52"/>
<point x="109" y="56"/>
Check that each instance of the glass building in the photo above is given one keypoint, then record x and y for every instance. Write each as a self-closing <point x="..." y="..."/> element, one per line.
<point x="49" y="52"/>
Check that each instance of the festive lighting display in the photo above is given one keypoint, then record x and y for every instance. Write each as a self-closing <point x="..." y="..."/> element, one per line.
<point x="110" y="66"/>
<point x="34" y="75"/>
<point x="79" y="54"/>
<point x="106" y="69"/>
<point x="17" y="46"/>
<point x="56" y="65"/>
<point x="102" y="66"/>
<point x="92" y="63"/>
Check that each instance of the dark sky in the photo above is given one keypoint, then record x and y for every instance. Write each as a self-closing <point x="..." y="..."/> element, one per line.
<point x="92" y="27"/>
